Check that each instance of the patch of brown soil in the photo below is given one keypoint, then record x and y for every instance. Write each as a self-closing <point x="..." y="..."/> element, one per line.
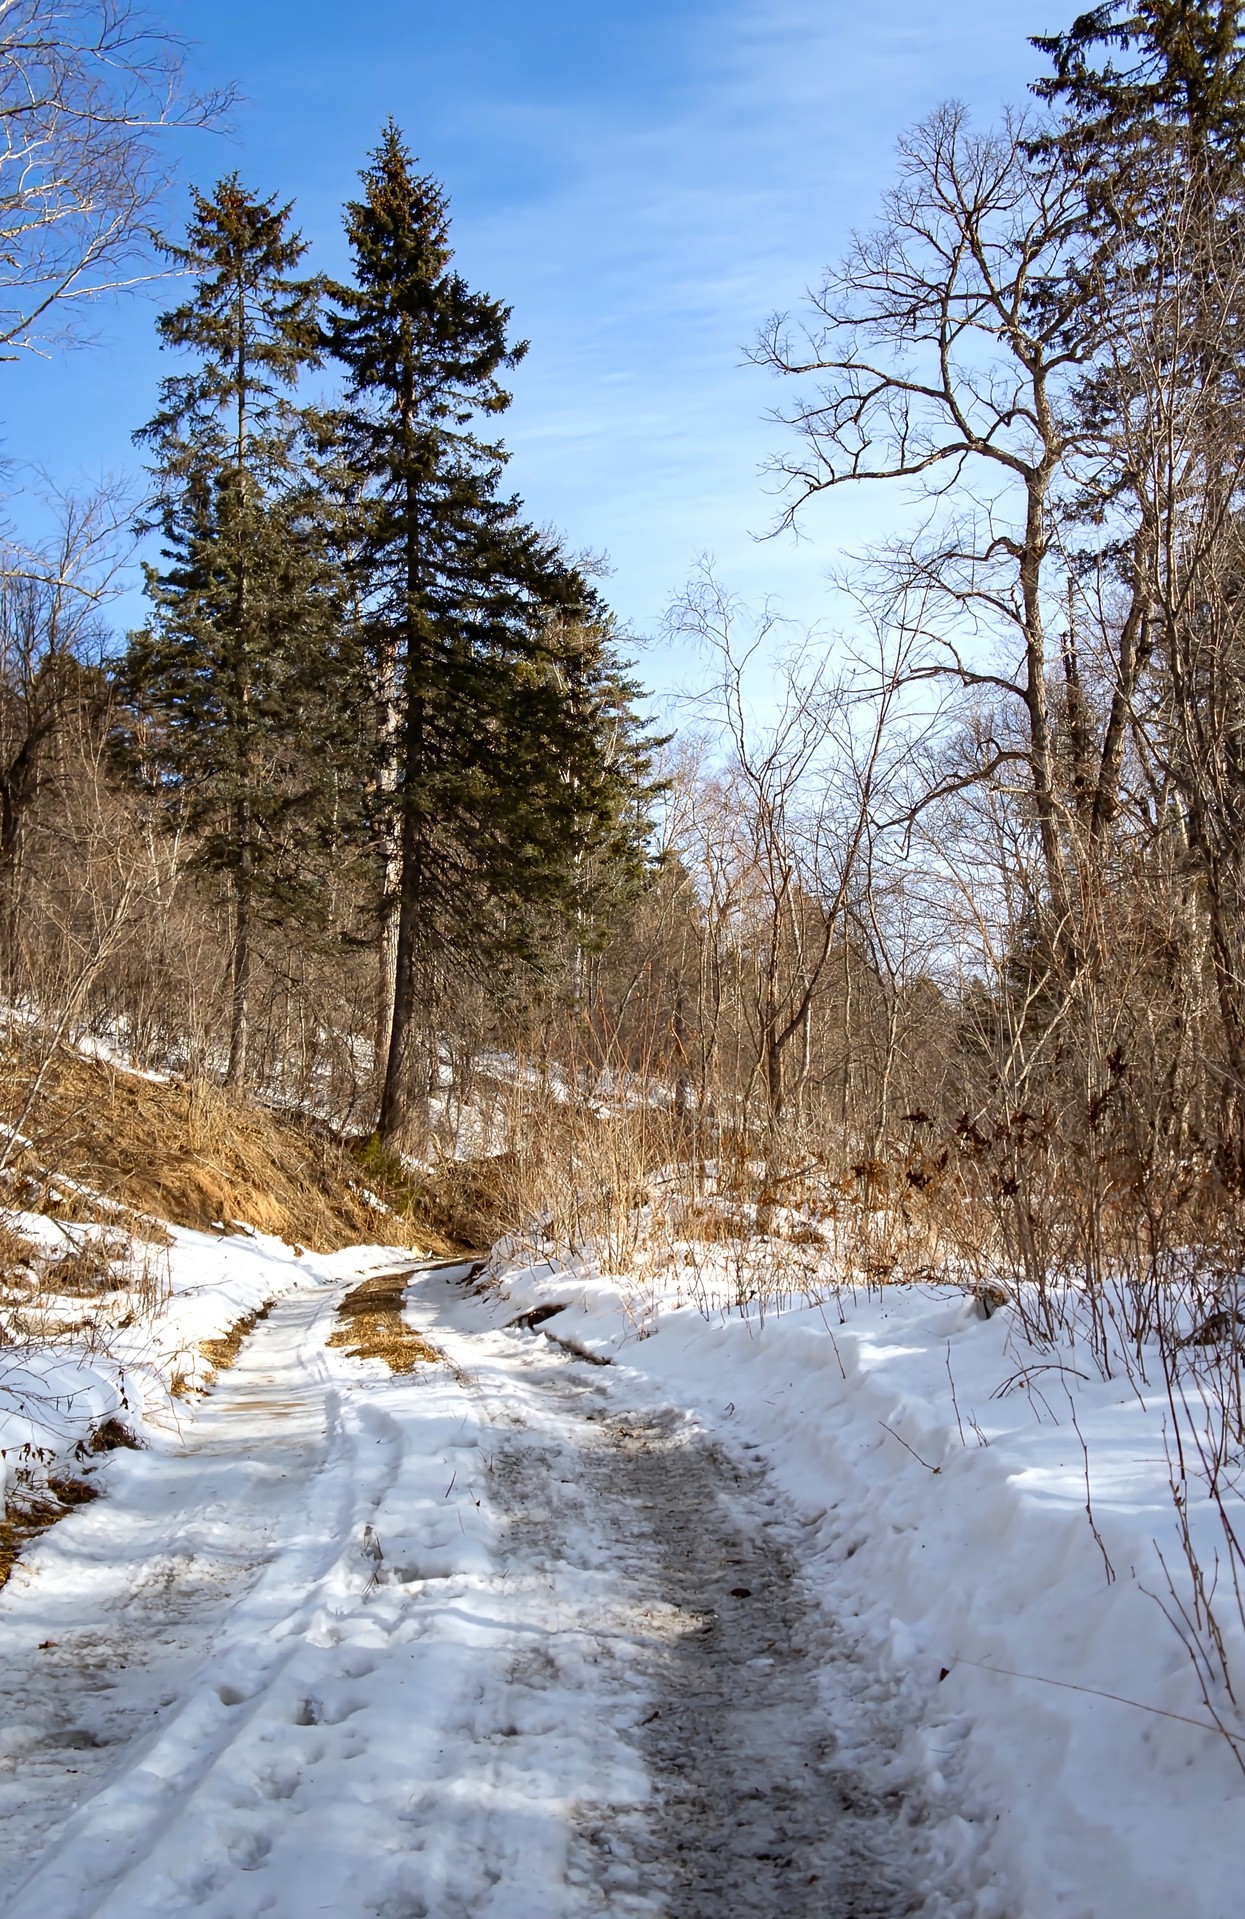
<point x="373" y="1327"/>
<point x="198" y="1156"/>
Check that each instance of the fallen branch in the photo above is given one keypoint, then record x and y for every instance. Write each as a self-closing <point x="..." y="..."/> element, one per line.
<point x="1097" y="1692"/>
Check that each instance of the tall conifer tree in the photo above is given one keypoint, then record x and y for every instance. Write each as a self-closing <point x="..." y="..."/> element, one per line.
<point x="1129" y="72"/>
<point x="494" y="773"/>
<point x="1152" y="117"/>
<point x="233" y="674"/>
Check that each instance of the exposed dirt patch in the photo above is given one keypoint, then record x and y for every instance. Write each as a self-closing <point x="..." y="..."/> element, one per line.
<point x="372" y="1326"/>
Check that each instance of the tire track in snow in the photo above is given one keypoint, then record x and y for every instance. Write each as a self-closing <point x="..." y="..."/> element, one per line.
<point x="759" y="1813"/>
<point x="544" y="1701"/>
<point x="755" y="1707"/>
<point x="188" y="1571"/>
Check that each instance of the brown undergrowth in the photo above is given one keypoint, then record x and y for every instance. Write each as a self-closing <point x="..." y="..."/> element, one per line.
<point x="372" y="1326"/>
<point x="26" y="1520"/>
<point x="195" y="1155"/>
<point x="474" y="1201"/>
<point x="33" y="1507"/>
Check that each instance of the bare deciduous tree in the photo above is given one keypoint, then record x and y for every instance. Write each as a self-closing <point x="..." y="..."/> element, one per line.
<point x="945" y="351"/>
<point x="51" y="637"/>
<point x="87" y="89"/>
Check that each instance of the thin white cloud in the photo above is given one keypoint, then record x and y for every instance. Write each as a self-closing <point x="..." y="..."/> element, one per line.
<point x="656" y="249"/>
<point x="643" y="223"/>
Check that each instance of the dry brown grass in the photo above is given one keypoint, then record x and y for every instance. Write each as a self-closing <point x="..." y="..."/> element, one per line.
<point x="221" y="1353"/>
<point x="567" y="1169"/>
<point x="373" y="1327"/>
<point x="705" y="1221"/>
<point x="711" y="1222"/>
<point x="86" y="1268"/>
<point x="474" y="1201"/>
<point x="196" y="1156"/>
<point x="25" y="1519"/>
<point x="17" y="1254"/>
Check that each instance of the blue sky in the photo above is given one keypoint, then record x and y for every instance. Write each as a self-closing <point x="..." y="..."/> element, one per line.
<point x="642" y="182"/>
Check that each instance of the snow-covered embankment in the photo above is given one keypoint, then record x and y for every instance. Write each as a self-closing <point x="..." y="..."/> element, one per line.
<point x="952" y="1473"/>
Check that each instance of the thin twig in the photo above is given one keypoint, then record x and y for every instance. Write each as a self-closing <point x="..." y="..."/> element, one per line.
<point x="954" y="1401"/>
<point x="910" y="1449"/>
<point x="1089" y="1504"/>
<point x="1098" y="1692"/>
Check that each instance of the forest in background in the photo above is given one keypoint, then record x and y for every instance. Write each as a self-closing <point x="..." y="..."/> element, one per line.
<point x="935" y="954"/>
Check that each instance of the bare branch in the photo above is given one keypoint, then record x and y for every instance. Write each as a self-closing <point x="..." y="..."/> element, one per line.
<point x="88" y="89"/>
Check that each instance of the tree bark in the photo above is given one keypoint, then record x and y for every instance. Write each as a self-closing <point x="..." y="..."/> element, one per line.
<point x="388" y="727"/>
<point x="240" y="963"/>
<point x="395" y="1103"/>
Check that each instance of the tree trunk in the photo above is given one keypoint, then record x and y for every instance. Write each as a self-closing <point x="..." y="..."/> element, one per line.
<point x="396" y="1095"/>
<point x="388" y="730"/>
<point x="240" y="968"/>
<point x="387" y="966"/>
<point x="1225" y="947"/>
<point x="1041" y="746"/>
<point x="775" y="1112"/>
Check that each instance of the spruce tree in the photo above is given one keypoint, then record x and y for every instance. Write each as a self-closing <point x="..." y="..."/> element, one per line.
<point x="496" y="770"/>
<point x="1150" y="103"/>
<point x="1130" y="72"/>
<point x="234" y="676"/>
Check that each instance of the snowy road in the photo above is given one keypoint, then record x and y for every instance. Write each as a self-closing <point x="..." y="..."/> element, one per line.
<point x="504" y="1639"/>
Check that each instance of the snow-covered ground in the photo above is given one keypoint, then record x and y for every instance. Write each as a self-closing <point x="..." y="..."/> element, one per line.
<point x="55" y="1391"/>
<point x="949" y="1517"/>
<point x="509" y="1636"/>
<point x="782" y="1614"/>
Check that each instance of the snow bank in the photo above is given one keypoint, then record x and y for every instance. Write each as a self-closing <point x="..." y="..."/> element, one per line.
<point x="949" y="1511"/>
<point x="113" y="1361"/>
